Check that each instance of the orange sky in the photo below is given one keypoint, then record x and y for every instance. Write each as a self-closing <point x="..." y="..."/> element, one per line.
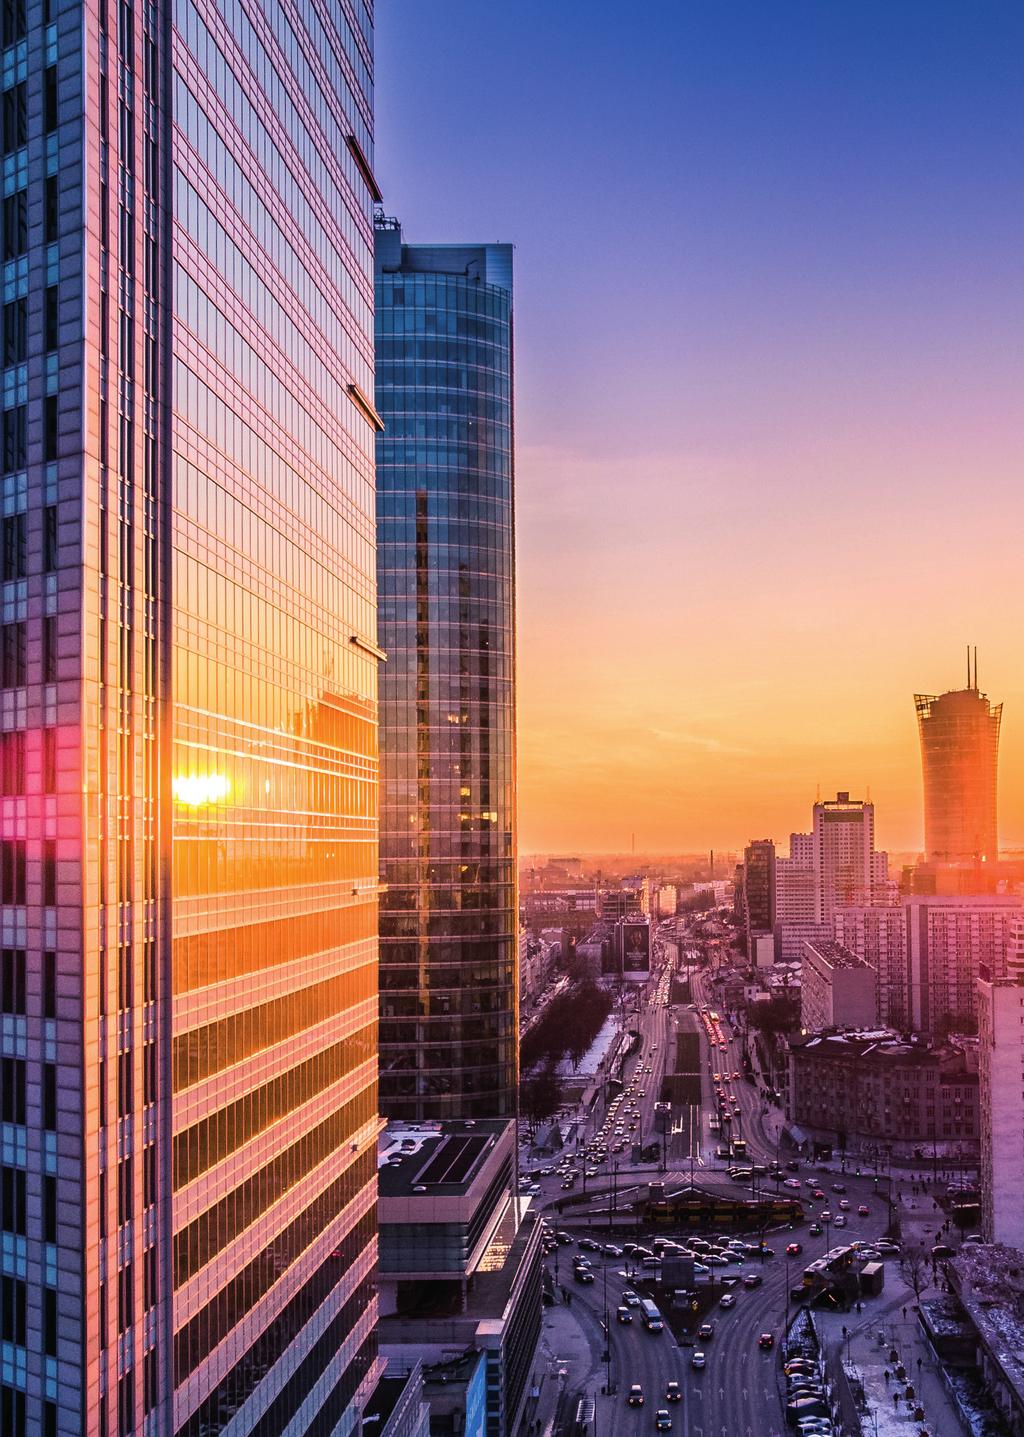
<point x="693" y="668"/>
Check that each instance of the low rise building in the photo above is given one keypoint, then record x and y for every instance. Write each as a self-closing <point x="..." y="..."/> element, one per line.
<point x="988" y="1281"/>
<point x="837" y="989"/>
<point x="865" y="1091"/>
<point x="460" y="1257"/>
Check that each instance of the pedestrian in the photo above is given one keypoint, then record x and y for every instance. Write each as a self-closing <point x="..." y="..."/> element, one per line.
<point x="887" y="1374"/>
<point x="904" y="1314"/>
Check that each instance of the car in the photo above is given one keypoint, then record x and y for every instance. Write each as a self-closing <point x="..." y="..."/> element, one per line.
<point x="662" y="1420"/>
<point x="801" y="1365"/>
<point x="766" y="1341"/>
<point x="698" y="1360"/>
<point x="840" y="1220"/>
<point x="568" y="1184"/>
<point x="815" y="1229"/>
<point x="792" y="1166"/>
<point x="630" y="1298"/>
<point x="890" y="1248"/>
<point x="941" y="1250"/>
<point x="623" y="1314"/>
<point x="610" y="1250"/>
<point x="793" y="1183"/>
<point x="838" y="1187"/>
<point x="844" y="1204"/>
<point x="794" y="1249"/>
<point x="650" y="1262"/>
<point x="818" y="1195"/>
<point x="728" y="1299"/>
<point x="584" y="1275"/>
<point x="706" y="1331"/>
<point x="825" y="1215"/>
<point x="635" y="1396"/>
<point x="753" y="1279"/>
<point x="673" y="1392"/>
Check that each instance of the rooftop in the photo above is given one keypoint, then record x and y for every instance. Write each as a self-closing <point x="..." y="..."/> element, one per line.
<point x="878" y="1045"/>
<point x="989" y="1280"/>
<point x="438" y="1159"/>
<point x="834" y="954"/>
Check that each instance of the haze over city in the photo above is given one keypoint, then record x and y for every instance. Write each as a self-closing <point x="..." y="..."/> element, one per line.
<point x="768" y="444"/>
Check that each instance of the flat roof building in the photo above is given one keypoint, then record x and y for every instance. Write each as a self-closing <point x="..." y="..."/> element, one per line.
<point x="460" y="1256"/>
<point x="837" y="989"/>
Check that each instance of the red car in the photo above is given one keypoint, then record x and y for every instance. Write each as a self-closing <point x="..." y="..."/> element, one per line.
<point x="863" y="1210"/>
<point x="794" y="1249"/>
<point x="817" y="1193"/>
<point x="766" y="1341"/>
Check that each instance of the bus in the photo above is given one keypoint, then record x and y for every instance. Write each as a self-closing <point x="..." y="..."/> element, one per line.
<point x="650" y="1315"/>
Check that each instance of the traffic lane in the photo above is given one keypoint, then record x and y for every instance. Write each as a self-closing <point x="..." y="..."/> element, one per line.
<point x="637" y="1355"/>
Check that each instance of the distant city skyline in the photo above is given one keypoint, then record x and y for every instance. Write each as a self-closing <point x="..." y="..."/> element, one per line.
<point x="768" y="449"/>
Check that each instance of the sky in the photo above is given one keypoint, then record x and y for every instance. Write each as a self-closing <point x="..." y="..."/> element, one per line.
<point x="769" y="373"/>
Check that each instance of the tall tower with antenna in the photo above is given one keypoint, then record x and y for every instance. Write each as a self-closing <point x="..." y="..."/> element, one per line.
<point x="959" y="733"/>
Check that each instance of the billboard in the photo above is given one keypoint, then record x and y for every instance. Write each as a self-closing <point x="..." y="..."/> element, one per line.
<point x="636" y="947"/>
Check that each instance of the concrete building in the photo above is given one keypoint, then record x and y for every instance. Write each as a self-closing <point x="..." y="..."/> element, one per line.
<point x="928" y="953"/>
<point x="959" y="757"/>
<point x="446" y="579"/>
<point x="1001" y="1098"/>
<point x="188" y="708"/>
<point x="873" y="1091"/>
<point x="949" y="942"/>
<point x="878" y="935"/>
<point x="846" y="866"/>
<point x="460" y="1261"/>
<point x="837" y="989"/>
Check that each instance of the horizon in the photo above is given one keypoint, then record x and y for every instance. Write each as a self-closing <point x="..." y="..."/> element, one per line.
<point x="768" y="378"/>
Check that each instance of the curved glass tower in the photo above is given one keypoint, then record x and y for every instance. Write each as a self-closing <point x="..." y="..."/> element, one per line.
<point x="448" y="927"/>
<point x="960" y="757"/>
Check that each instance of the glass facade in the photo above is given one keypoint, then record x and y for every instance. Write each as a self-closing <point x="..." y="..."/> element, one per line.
<point x="445" y="566"/>
<point x="188" y="733"/>
<point x="960" y="757"/>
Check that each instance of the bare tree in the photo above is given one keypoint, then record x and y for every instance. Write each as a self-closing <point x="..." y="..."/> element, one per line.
<point x="915" y="1270"/>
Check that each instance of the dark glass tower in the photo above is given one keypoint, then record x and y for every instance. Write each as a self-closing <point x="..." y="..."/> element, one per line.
<point x="188" y="1003"/>
<point x="449" y="1005"/>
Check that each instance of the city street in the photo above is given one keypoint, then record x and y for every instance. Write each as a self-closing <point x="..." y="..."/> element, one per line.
<point x="737" y="1392"/>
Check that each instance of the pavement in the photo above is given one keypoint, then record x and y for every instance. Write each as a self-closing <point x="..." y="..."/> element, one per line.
<point x="892" y="1325"/>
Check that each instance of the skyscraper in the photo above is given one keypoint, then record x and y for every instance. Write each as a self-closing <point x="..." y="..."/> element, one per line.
<point x="960" y="756"/>
<point x="188" y="714"/>
<point x="846" y="865"/>
<point x="1000" y="1006"/>
<point x="758" y="890"/>
<point x="448" y="1034"/>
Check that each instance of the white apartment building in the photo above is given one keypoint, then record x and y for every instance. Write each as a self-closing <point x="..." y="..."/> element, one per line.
<point x="837" y="989"/>
<point x="1000" y="1006"/>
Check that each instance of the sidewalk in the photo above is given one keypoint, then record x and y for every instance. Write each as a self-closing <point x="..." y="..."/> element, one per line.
<point x="870" y="1359"/>
<point x="563" y="1361"/>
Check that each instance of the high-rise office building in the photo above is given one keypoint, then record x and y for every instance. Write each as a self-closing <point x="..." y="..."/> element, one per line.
<point x="846" y="865"/>
<point x="188" y="716"/>
<point x="449" y="1026"/>
<point x="758" y="890"/>
<point x="960" y="756"/>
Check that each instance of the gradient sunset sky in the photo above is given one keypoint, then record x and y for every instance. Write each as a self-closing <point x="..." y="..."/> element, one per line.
<point x="770" y="387"/>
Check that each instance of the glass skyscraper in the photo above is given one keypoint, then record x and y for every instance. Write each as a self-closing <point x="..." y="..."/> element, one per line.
<point x="445" y="566"/>
<point x="188" y="674"/>
<point x="959" y="734"/>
